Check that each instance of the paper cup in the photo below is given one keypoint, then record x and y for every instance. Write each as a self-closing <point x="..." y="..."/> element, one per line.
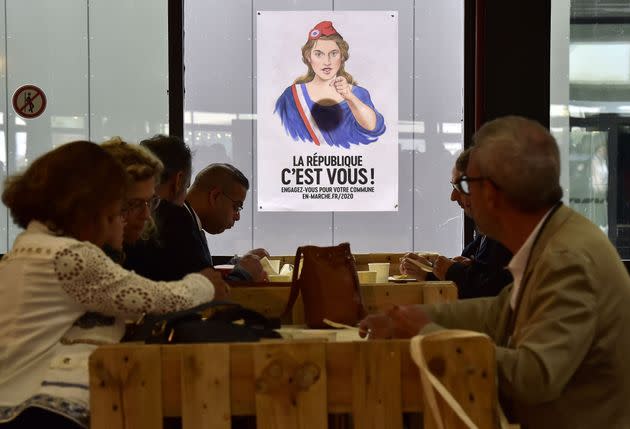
<point x="287" y="270"/>
<point x="382" y="271"/>
<point x="367" y="276"/>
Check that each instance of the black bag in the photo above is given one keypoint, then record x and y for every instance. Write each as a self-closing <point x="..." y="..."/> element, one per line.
<point x="212" y="322"/>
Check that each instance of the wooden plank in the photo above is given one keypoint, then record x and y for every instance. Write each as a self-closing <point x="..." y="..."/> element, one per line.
<point x="171" y="381"/>
<point x="381" y="297"/>
<point x="361" y="260"/>
<point x="466" y="367"/>
<point x="272" y="300"/>
<point x="340" y="360"/>
<point x="242" y="379"/>
<point x="269" y="301"/>
<point x="412" y="400"/>
<point x="242" y="401"/>
<point x="125" y="387"/>
<point x="376" y="401"/>
<point x="437" y="292"/>
<point x="205" y="386"/>
<point x="132" y="385"/>
<point x="291" y="385"/>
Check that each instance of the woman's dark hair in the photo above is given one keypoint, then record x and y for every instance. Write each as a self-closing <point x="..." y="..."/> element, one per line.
<point x="65" y="188"/>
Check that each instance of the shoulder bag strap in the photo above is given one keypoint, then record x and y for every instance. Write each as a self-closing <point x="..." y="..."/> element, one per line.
<point x="350" y="263"/>
<point x="431" y="385"/>
<point x="295" y="286"/>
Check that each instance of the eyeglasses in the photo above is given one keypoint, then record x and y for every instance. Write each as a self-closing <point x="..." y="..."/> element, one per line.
<point x="463" y="183"/>
<point x="236" y="205"/>
<point x="137" y="204"/>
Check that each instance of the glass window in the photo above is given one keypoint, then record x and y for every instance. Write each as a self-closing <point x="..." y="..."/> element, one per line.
<point x="220" y="124"/>
<point x="590" y="112"/>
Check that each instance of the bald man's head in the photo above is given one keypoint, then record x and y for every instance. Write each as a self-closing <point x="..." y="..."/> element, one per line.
<point x="217" y="195"/>
<point x="219" y="175"/>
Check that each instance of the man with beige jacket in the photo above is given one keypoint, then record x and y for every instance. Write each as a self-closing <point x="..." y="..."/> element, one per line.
<point x="562" y="329"/>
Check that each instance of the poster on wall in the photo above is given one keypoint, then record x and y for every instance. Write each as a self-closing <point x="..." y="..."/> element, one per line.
<point x="327" y="110"/>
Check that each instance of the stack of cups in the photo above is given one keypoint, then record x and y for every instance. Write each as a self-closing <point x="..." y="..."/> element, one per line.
<point x="382" y="271"/>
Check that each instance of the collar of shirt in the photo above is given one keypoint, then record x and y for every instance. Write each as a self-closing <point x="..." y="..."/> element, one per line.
<point x="518" y="263"/>
<point x="194" y="214"/>
<point x="481" y="247"/>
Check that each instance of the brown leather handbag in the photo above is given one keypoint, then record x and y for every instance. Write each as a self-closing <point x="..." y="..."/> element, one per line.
<point x="329" y="286"/>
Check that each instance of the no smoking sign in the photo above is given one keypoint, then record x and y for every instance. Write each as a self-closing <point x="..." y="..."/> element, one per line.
<point x="29" y="101"/>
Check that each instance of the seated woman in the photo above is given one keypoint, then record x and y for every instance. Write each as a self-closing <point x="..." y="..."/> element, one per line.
<point x="70" y="202"/>
<point x="143" y="170"/>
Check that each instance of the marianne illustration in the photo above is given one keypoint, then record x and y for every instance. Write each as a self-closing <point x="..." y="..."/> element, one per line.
<point x="326" y="105"/>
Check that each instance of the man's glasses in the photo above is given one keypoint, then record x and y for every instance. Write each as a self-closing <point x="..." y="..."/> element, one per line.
<point x="137" y="204"/>
<point x="236" y="205"/>
<point x="463" y="183"/>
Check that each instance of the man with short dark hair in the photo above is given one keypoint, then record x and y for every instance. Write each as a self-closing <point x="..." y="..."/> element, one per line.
<point x="212" y="204"/>
<point x="562" y="329"/>
<point x="177" y="160"/>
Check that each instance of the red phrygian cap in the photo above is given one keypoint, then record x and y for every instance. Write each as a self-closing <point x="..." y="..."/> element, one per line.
<point x="324" y="28"/>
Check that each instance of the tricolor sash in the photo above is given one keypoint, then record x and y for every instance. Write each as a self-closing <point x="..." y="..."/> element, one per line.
<point x="305" y="114"/>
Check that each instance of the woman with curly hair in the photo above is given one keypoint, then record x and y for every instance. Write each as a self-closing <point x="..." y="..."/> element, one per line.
<point x="143" y="171"/>
<point x="61" y="295"/>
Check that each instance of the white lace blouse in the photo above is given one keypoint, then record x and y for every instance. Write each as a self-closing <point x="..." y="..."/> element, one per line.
<point x="47" y="283"/>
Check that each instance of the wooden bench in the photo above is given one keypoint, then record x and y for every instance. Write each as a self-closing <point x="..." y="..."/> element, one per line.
<point x="285" y="384"/>
<point x="271" y="300"/>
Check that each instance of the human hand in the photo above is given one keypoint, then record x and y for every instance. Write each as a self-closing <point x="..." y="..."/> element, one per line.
<point x="408" y="320"/>
<point x="251" y="264"/>
<point x="342" y="86"/>
<point x="260" y="252"/>
<point x="411" y="269"/>
<point x="441" y="266"/>
<point x="462" y="260"/>
<point x="376" y="327"/>
<point x="399" y="322"/>
<point x="221" y="288"/>
<point x="429" y="256"/>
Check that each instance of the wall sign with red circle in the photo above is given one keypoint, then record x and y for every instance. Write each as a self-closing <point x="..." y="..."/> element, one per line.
<point x="29" y="101"/>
